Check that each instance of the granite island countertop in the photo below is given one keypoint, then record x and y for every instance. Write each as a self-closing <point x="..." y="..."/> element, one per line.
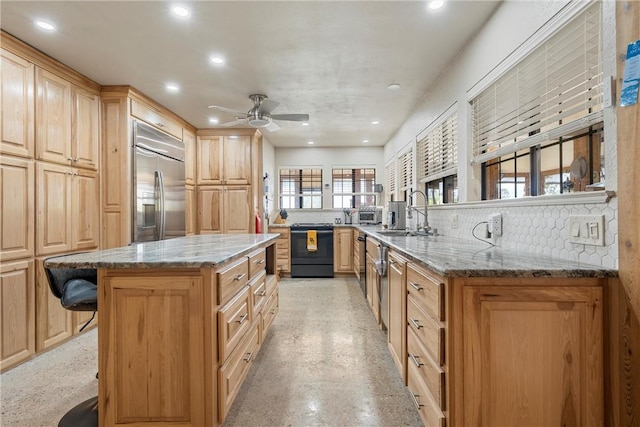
<point x="453" y="257"/>
<point x="200" y="251"/>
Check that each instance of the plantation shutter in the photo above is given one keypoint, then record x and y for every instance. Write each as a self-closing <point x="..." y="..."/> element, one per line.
<point x="406" y="170"/>
<point x="438" y="151"/>
<point x="390" y="172"/>
<point x="552" y="92"/>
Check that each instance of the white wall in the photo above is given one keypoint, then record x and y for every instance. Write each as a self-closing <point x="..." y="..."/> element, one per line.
<point x="513" y="23"/>
<point x="269" y="169"/>
<point x="327" y="159"/>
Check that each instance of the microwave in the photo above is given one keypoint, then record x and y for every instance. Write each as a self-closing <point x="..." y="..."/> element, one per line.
<point x="370" y="215"/>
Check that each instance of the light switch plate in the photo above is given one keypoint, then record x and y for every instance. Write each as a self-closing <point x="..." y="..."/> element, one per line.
<point x="586" y="229"/>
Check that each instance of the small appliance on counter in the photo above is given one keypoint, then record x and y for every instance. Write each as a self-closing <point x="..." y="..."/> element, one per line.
<point x="397" y="219"/>
<point x="370" y="215"/>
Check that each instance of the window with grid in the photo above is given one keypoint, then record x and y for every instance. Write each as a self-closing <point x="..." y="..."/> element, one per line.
<point x="553" y="95"/>
<point x="301" y="188"/>
<point x="438" y="161"/>
<point x="353" y="188"/>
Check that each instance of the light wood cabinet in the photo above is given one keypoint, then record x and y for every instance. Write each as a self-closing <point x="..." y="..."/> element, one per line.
<point x="17" y="311"/>
<point x="55" y="324"/>
<point x="17" y="76"/>
<point x="397" y="324"/>
<point x="283" y="248"/>
<point x="223" y="209"/>
<point x="18" y="208"/>
<point x="190" y="210"/>
<point x="67" y="209"/>
<point x="189" y="140"/>
<point x="358" y="254"/>
<point x="53" y="110"/>
<point x="85" y="126"/>
<point x="342" y="250"/>
<point x="155" y="117"/>
<point x="373" y="286"/>
<point x="533" y="355"/>
<point x="224" y="160"/>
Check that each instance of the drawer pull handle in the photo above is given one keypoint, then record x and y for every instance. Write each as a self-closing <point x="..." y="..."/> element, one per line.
<point x="415" y="323"/>
<point x="260" y="261"/>
<point x="159" y="124"/>
<point x="272" y="311"/>
<point x="415" y="401"/>
<point x="243" y="318"/>
<point x="263" y="293"/>
<point x="415" y="286"/>
<point x="239" y="277"/>
<point x="248" y="358"/>
<point x="415" y="360"/>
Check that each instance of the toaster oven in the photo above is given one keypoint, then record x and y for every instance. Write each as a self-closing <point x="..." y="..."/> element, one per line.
<point x="370" y="215"/>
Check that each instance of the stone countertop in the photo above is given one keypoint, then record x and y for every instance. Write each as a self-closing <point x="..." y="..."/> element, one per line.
<point x="201" y="251"/>
<point x="452" y="257"/>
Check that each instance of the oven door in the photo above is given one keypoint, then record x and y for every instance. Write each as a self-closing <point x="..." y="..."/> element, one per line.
<point x="301" y="255"/>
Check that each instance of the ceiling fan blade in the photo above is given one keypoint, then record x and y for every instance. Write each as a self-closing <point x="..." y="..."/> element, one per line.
<point x="233" y="123"/>
<point x="291" y="117"/>
<point x="268" y="105"/>
<point x="271" y="127"/>
<point x="228" y="110"/>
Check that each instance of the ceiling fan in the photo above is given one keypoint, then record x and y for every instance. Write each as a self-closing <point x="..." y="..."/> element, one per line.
<point x="259" y="115"/>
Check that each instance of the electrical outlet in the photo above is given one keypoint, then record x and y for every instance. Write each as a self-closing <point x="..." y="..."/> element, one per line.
<point x="495" y="224"/>
<point x="454" y="221"/>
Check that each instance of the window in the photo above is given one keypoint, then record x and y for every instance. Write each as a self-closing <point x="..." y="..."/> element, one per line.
<point x="438" y="160"/>
<point x="405" y="172"/>
<point x="353" y="188"/>
<point x="301" y="188"/>
<point x="390" y="171"/>
<point x="543" y="118"/>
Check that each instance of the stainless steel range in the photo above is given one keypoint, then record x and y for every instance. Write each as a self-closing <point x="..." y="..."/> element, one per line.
<point x="305" y="261"/>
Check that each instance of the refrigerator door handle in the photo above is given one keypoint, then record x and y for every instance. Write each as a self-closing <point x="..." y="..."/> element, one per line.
<point x="161" y="225"/>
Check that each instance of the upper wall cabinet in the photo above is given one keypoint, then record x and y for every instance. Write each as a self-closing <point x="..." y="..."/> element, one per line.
<point x="17" y="91"/>
<point x="189" y="140"/>
<point x="224" y="160"/>
<point x="68" y="125"/>
<point x="85" y="124"/>
<point x="155" y="118"/>
<point x="53" y="127"/>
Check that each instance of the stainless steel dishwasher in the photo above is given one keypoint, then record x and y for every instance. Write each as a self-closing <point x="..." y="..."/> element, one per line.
<point x="382" y="264"/>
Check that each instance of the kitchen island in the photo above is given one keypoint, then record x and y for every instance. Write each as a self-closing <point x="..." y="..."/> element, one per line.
<point x="180" y="322"/>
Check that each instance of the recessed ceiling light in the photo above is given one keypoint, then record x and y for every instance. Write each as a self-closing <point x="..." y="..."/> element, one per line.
<point x="365" y="140"/>
<point x="311" y="142"/>
<point x="436" y="4"/>
<point x="213" y="120"/>
<point x="180" y="11"/>
<point x="45" y="25"/>
<point x="218" y="60"/>
<point x="394" y="86"/>
<point x="234" y="137"/>
<point x="375" y="122"/>
<point x="305" y="123"/>
<point x="172" y="87"/>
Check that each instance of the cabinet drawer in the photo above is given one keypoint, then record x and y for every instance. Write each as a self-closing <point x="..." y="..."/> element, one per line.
<point x="372" y="247"/>
<point x="427" y="288"/>
<point x="431" y="374"/>
<point x="269" y="312"/>
<point x="259" y="292"/>
<point x="232" y="373"/>
<point x="429" y="411"/>
<point x="257" y="262"/>
<point x="155" y="118"/>
<point x="272" y="283"/>
<point x="429" y="331"/>
<point x="233" y="321"/>
<point x="231" y="279"/>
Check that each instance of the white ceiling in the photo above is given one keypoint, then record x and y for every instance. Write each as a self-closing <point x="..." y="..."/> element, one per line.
<point x="330" y="59"/>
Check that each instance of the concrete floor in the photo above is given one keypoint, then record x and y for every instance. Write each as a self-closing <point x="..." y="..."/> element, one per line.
<point x="324" y="363"/>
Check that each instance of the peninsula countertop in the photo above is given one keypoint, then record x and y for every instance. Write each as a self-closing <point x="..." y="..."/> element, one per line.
<point x="200" y="251"/>
<point x="452" y="257"/>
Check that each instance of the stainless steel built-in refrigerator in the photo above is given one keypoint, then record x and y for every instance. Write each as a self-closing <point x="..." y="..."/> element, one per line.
<point x="158" y="182"/>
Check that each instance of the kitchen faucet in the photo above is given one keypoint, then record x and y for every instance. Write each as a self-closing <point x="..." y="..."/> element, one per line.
<point x="426" y="227"/>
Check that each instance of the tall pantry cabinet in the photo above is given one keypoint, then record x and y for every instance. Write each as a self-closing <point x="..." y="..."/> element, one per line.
<point x="49" y="187"/>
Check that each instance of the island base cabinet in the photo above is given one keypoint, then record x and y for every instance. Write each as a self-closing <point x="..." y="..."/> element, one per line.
<point x="232" y="373"/>
<point x="152" y="348"/>
<point x="533" y="356"/>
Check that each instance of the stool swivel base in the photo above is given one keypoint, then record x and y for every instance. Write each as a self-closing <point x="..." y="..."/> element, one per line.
<point x="84" y="414"/>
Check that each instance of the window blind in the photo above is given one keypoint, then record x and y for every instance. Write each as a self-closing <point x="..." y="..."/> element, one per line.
<point x="390" y="172"/>
<point x="438" y="151"/>
<point x="406" y="169"/>
<point x="555" y="89"/>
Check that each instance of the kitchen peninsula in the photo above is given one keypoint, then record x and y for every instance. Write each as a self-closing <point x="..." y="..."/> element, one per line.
<point x="180" y="323"/>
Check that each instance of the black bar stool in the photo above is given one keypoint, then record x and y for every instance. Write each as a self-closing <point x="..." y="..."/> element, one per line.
<point x="77" y="290"/>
